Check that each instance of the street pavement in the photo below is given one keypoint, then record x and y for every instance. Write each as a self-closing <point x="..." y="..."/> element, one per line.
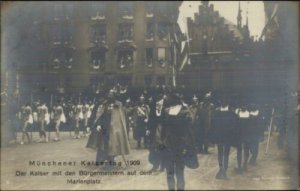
<point x="272" y="171"/>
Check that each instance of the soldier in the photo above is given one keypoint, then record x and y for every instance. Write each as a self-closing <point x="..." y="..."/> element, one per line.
<point x="42" y="121"/>
<point x="77" y="117"/>
<point x="58" y="118"/>
<point x="222" y="128"/>
<point x="129" y="109"/>
<point x="26" y="120"/>
<point x="86" y="115"/>
<point x="179" y="149"/>
<point x="142" y="116"/>
<point x="195" y="108"/>
<point x="156" y="123"/>
<point x="68" y="111"/>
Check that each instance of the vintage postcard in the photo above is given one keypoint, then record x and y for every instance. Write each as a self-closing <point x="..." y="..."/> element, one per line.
<point x="150" y="95"/>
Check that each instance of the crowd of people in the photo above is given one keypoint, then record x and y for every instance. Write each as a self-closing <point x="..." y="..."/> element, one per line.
<point x="175" y="126"/>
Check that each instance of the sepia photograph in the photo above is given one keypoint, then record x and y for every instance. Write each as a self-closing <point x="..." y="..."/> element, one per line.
<point x="149" y="95"/>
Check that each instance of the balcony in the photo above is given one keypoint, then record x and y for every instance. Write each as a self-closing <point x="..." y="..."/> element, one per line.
<point x="98" y="17"/>
<point x="149" y="15"/>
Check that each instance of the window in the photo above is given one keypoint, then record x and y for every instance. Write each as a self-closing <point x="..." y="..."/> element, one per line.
<point x="126" y="10"/>
<point x="148" y="80"/>
<point x="162" y="30"/>
<point x="98" y="34"/>
<point x="97" y="83"/>
<point x="150" y="31"/>
<point x="162" y="57"/>
<point x="98" y="10"/>
<point x="161" y="80"/>
<point x="62" y="34"/>
<point x="69" y="10"/>
<point x="66" y="35"/>
<point x="68" y="59"/>
<point x="62" y="11"/>
<point x="126" y="32"/>
<point x="62" y="57"/>
<point x="124" y="81"/>
<point x="125" y="58"/>
<point x="56" y="62"/>
<point x="56" y="35"/>
<point x="58" y="11"/>
<point x="149" y="57"/>
<point x="149" y="9"/>
<point x="97" y="59"/>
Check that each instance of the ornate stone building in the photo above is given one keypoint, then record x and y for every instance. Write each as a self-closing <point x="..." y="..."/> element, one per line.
<point x="74" y="45"/>
<point x="224" y="57"/>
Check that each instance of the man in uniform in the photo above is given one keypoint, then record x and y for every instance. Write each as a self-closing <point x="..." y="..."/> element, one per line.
<point x="42" y="121"/>
<point x="129" y="109"/>
<point x="26" y="119"/>
<point x="58" y="118"/>
<point x="205" y="114"/>
<point x="195" y="108"/>
<point x="86" y="115"/>
<point x="142" y="116"/>
<point x="77" y="117"/>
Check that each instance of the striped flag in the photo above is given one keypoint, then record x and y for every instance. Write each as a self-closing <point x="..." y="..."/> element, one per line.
<point x="272" y="18"/>
<point x="184" y="55"/>
<point x="182" y="48"/>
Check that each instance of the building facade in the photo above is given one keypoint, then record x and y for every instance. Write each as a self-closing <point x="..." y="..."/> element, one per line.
<point x="76" y="45"/>
<point x="224" y="57"/>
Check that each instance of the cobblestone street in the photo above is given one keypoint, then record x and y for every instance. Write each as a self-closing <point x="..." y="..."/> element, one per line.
<point x="271" y="172"/>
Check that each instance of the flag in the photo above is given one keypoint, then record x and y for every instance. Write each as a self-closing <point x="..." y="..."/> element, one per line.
<point x="184" y="55"/>
<point x="273" y="17"/>
<point x="184" y="51"/>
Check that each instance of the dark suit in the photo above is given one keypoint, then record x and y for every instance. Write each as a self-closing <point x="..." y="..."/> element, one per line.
<point x="156" y="123"/>
<point x="178" y="140"/>
<point x="222" y="135"/>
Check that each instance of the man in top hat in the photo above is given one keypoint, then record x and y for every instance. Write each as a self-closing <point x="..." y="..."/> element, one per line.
<point x="177" y="137"/>
<point x="155" y="124"/>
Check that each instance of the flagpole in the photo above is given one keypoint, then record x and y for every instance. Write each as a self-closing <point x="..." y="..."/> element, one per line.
<point x="172" y="56"/>
<point x="174" y="59"/>
<point x="174" y="65"/>
<point x="187" y="35"/>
